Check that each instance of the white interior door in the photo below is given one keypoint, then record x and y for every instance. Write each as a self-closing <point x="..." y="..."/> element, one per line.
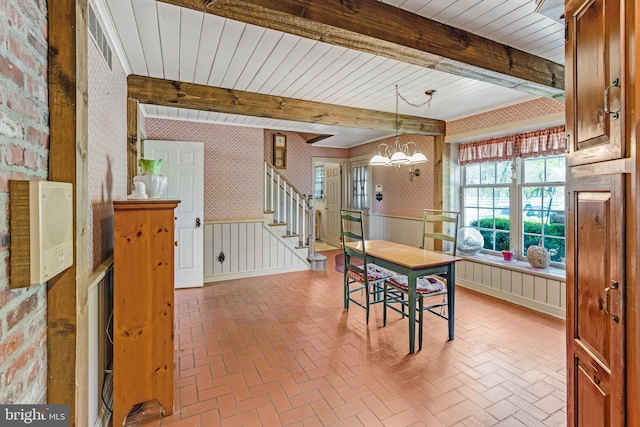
<point x="183" y="164"/>
<point x="333" y="202"/>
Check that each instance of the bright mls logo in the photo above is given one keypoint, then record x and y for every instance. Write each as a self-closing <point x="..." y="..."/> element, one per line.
<point x="34" y="415"/>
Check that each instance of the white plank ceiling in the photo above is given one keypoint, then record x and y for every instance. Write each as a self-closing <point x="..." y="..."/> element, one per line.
<point x="161" y="40"/>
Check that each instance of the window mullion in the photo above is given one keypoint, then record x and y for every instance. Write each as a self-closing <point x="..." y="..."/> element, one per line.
<point x="516" y="200"/>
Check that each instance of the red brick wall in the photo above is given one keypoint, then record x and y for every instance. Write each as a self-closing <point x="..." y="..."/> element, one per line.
<point x="24" y="145"/>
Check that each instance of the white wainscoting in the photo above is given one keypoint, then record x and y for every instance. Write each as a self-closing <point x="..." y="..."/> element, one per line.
<point x="539" y="293"/>
<point x="407" y="231"/>
<point x="536" y="292"/>
<point x="250" y="249"/>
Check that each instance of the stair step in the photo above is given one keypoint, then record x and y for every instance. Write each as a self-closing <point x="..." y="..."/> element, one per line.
<point x="290" y="235"/>
<point x="269" y="212"/>
<point x="274" y="224"/>
<point x="302" y="247"/>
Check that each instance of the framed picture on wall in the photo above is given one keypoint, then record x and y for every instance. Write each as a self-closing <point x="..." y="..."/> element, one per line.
<point x="280" y="151"/>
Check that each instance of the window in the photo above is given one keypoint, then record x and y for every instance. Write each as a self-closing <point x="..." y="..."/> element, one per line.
<point x="517" y="204"/>
<point x="487" y="195"/>
<point x="543" y="205"/>
<point x="359" y="192"/>
<point x="318" y="182"/>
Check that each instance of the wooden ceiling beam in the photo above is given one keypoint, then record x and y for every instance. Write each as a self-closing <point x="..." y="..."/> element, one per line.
<point x="149" y="90"/>
<point x="380" y="29"/>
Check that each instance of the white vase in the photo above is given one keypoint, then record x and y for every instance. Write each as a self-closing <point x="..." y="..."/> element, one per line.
<point x="155" y="184"/>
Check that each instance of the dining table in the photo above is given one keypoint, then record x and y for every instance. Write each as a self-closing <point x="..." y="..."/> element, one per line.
<point x="413" y="262"/>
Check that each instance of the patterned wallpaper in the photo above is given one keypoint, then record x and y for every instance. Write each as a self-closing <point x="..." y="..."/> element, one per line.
<point x="107" y="155"/>
<point x="402" y="197"/>
<point x="299" y="154"/>
<point x="229" y="196"/>
<point x="513" y="113"/>
<point x="233" y="165"/>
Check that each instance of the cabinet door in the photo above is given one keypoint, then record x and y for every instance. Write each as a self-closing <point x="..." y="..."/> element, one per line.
<point x="595" y="289"/>
<point x="593" y="81"/>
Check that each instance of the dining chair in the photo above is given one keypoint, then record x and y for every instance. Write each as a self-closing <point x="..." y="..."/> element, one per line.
<point x="440" y="228"/>
<point x="358" y="270"/>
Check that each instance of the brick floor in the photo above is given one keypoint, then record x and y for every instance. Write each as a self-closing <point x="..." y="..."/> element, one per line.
<point x="280" y="350"/>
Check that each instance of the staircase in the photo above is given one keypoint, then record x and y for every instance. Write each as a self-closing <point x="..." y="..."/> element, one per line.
<point x="286" y="210"/>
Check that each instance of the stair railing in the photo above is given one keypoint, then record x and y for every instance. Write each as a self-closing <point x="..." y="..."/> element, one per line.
<point x="288" y="205"/>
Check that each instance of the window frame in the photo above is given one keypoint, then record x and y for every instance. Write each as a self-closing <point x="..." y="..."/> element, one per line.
<point x="522" y="185"/>
<point x="493" y="186"/>
<point x="316" y="182"/>
<point x="366" y="188"/>
<point x="516" y="203"/>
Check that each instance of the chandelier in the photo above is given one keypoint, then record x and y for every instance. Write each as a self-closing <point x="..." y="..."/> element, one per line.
<point x="400" y="154"/>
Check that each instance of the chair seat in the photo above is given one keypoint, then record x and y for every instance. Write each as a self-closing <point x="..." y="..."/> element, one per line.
<point x="375" y="273"/>
<point x="424" y="284"/>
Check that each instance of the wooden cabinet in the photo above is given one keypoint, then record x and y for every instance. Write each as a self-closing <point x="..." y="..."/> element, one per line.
<point x="143" y="360"/>
<point x="595" y="286"/>
<point x="603" y="342"/>
<point x="594" y="109"/>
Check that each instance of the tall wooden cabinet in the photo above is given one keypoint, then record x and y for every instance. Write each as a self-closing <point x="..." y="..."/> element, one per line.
<point x="602" y="284"/>
<point x="143" y="331"/>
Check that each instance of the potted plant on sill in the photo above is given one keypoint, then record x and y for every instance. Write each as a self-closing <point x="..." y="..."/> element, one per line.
<point x="508" y="254"/>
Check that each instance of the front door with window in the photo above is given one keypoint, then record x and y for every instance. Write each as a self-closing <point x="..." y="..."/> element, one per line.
<point x="333" y="187"/>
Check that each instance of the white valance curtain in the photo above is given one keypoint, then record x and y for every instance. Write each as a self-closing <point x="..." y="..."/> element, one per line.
<point x="529" y="144"/>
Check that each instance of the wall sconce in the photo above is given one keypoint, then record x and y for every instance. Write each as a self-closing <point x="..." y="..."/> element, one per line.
<point x="414" y="172"/>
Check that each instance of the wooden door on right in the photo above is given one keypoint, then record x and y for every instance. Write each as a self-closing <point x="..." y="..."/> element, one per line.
<point x="595" y="288"/>
<point x="595" y="87"/>
<point x="593" y="82"/>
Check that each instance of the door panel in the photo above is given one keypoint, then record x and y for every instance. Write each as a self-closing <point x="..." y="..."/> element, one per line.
<point x="593" y="273"/>
<point x="187" y="252"/>
<point x="595" y="286"/>
<point x="333" y="203"/>
<point x="591" y="127"/>
<point x="593" y="64"/>
<point x="183" y="163"/>
<point x="593" y="401"/>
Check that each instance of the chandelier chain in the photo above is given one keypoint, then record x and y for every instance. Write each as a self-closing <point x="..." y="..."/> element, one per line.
<point x="428" y="101"/>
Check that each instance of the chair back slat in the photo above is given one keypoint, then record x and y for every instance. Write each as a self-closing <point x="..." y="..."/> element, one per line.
<point x="353" y="252"/>
<point x="440" y="236"/>
<point x="352" y="235"/>
<point x="352" y="230"/>
<point x="444" y="218"/>
<point x="441" y="218"/>
<point x="350" y="217"/>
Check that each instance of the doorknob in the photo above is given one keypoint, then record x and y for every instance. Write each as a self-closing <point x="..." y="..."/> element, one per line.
<point x="198" y="223"/>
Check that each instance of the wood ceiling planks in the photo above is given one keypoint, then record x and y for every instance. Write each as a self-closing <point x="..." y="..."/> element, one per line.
<point x="384" y="30"/>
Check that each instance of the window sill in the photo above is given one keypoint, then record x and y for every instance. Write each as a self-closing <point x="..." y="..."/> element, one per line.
<point x="553" y="273"/>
